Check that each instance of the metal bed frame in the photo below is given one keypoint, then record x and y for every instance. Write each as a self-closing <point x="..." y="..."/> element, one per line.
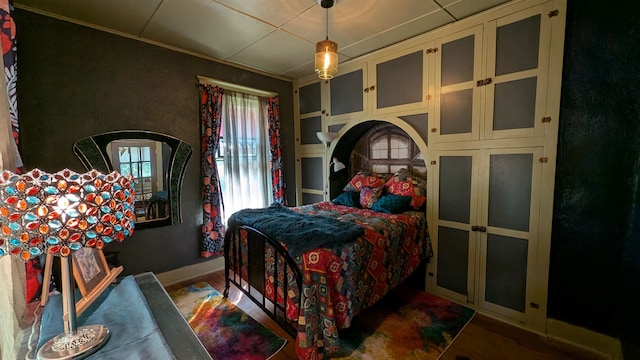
<point x="253" y="286"/>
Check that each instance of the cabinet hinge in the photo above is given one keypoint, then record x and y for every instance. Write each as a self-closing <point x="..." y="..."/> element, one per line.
<point x="544" y="160"/>
<point x="432" y="50"/>
<point x="478" y="228"/>
<point x="484" y="82"/>
<point x="534" y="305"/>
<point x="546" y="119"/>
<point x="553" y="13"/>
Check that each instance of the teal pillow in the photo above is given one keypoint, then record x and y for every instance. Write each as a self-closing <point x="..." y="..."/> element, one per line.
<point x="391" y="204"/>
<point x="348" y="198"/>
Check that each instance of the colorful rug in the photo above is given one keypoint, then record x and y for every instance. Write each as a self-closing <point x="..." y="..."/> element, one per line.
<point x="406" y="324"/>
<point x="226" y="331"/>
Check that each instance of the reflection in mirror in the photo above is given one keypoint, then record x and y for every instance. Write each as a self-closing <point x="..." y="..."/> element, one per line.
<point x="148" y="162"/>
<point x="156" y="162"/>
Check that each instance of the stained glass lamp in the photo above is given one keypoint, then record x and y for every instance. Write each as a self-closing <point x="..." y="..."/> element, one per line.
<point x="57" y="214"/>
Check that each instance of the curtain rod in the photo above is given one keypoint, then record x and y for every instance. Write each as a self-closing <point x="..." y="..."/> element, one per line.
<point x="234" y="87"/>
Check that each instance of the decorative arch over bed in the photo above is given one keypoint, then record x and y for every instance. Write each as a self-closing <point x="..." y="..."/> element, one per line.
<point x="351" y="132"/>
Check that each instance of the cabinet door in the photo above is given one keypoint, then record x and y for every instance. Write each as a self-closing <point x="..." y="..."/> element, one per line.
<point x="398" y="83"/>
<point x="457" y="96"/>
<point x="509" y="240"/>
<point x="348" y="93"/>
<point x="516" y="69"/>
<point x="455" y="244"/>
<point x="309" y="169"/>
<point x="486" y="205"/>
<point x="311" y="117"/>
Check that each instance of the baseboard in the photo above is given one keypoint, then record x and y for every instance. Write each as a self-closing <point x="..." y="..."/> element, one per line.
<point x="584" y="338"/>
<point x="190" y="271"/>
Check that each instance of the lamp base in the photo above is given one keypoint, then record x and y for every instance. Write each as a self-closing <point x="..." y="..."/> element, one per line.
<point x="83" y="342"/>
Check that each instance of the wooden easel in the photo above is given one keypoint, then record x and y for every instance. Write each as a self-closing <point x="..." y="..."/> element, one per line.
<point x="87" y="299"/>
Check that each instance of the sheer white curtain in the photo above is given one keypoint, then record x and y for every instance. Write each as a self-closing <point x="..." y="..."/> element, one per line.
<point x="246" y="180"/>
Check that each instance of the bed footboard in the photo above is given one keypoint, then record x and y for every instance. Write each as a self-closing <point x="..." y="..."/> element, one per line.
<point x="260" y="266"/>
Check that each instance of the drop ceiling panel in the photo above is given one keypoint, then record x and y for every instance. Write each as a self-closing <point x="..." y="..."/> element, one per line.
<point x="405" y="31"/>
<point x="463" y="8"/>
<point x="121" y="15"/>
<point x="351" y="21"/>
<point x="278" y="52"/>
<point x="205" y="27"/>
<point x="275" y="12"/>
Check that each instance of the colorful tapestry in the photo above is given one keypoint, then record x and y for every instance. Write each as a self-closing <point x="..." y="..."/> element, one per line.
<point x="8" y="41"/>
<point x="408" y="325"/>
<point x="226" y="331"/>
<point x="340" y="282"/>
<point x="210" y="124"/>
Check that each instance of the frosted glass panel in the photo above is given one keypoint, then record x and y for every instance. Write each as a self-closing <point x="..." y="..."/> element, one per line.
<point x="506" y="281"/>
<point x="308" y="129"/>
<point x="399" y="81"/>
<point x="457" y="61"/>
<point x="510" y="191"/>
<point x="311" y="169"/>
<point x="455" y="188"/>
<point x="346" y="93"/>
<point x="309" y="98"/>
<point x="517" y="46"/>
<point x="455" y="112"/>
<point x="515" y="104"/>
<point x="453" y="257"/>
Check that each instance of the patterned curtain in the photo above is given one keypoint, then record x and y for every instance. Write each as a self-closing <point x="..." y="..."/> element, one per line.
<point x="210" y="123"/>
<point x="9" y="56"/>
<point x="277" y="168"/>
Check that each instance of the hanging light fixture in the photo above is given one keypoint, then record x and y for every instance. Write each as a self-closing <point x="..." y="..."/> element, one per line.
<point x="326" y="50"/>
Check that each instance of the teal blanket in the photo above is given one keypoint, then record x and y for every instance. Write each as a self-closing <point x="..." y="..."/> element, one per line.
<point x="124" y="310"/>
<point x="298" y="231"/>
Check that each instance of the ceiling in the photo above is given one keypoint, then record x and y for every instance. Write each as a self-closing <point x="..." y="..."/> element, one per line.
<point x="276" y="37"/>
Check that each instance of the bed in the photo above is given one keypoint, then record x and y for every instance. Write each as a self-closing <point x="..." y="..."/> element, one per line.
<point x="313" y="292"/>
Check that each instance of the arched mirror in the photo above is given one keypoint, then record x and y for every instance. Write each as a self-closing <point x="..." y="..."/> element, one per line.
<point x="156" y="162"/>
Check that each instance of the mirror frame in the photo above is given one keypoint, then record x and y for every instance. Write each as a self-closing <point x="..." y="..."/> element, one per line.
<point x="92" y="152"/>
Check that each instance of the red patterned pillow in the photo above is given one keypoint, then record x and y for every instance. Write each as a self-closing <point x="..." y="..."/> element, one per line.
<point x="362" y="179"/>
<point x="403" y="183"/>
<point x="369" y="196"/>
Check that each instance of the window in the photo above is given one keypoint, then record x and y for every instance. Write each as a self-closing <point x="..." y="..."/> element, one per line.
<point x="387" y="147"/>
<point x="243" y="153"/>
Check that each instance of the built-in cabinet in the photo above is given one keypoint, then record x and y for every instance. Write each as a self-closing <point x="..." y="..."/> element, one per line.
<point x="489" y="88"/>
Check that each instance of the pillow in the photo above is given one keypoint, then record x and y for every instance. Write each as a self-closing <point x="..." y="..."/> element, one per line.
<point x="362" y="179"/>
<point x="391" y="204"/>
<point x="348" y="198"/>
<point x="368" y="196"/>
<point x="405" y="184"/>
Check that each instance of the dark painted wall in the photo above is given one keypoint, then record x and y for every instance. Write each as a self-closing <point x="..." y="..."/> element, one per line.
<point x="595" y="248"/>
<point x="75" y="82"/>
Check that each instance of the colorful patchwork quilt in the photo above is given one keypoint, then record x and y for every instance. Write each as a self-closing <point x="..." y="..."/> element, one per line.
<point x="339" y="282"/>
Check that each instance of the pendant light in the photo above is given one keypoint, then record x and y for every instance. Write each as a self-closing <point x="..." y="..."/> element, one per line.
<point x="326" y="50"/>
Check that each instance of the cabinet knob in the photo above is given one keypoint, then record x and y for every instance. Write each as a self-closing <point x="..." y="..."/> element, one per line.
<point x="434" y="129"/>
<point x="372" y="87"/>
<point x="366" y="90"/>
<point x="323" y="111"/>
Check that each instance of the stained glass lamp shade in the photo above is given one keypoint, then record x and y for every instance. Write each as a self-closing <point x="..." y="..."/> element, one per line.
<point x="57" y="214"/>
